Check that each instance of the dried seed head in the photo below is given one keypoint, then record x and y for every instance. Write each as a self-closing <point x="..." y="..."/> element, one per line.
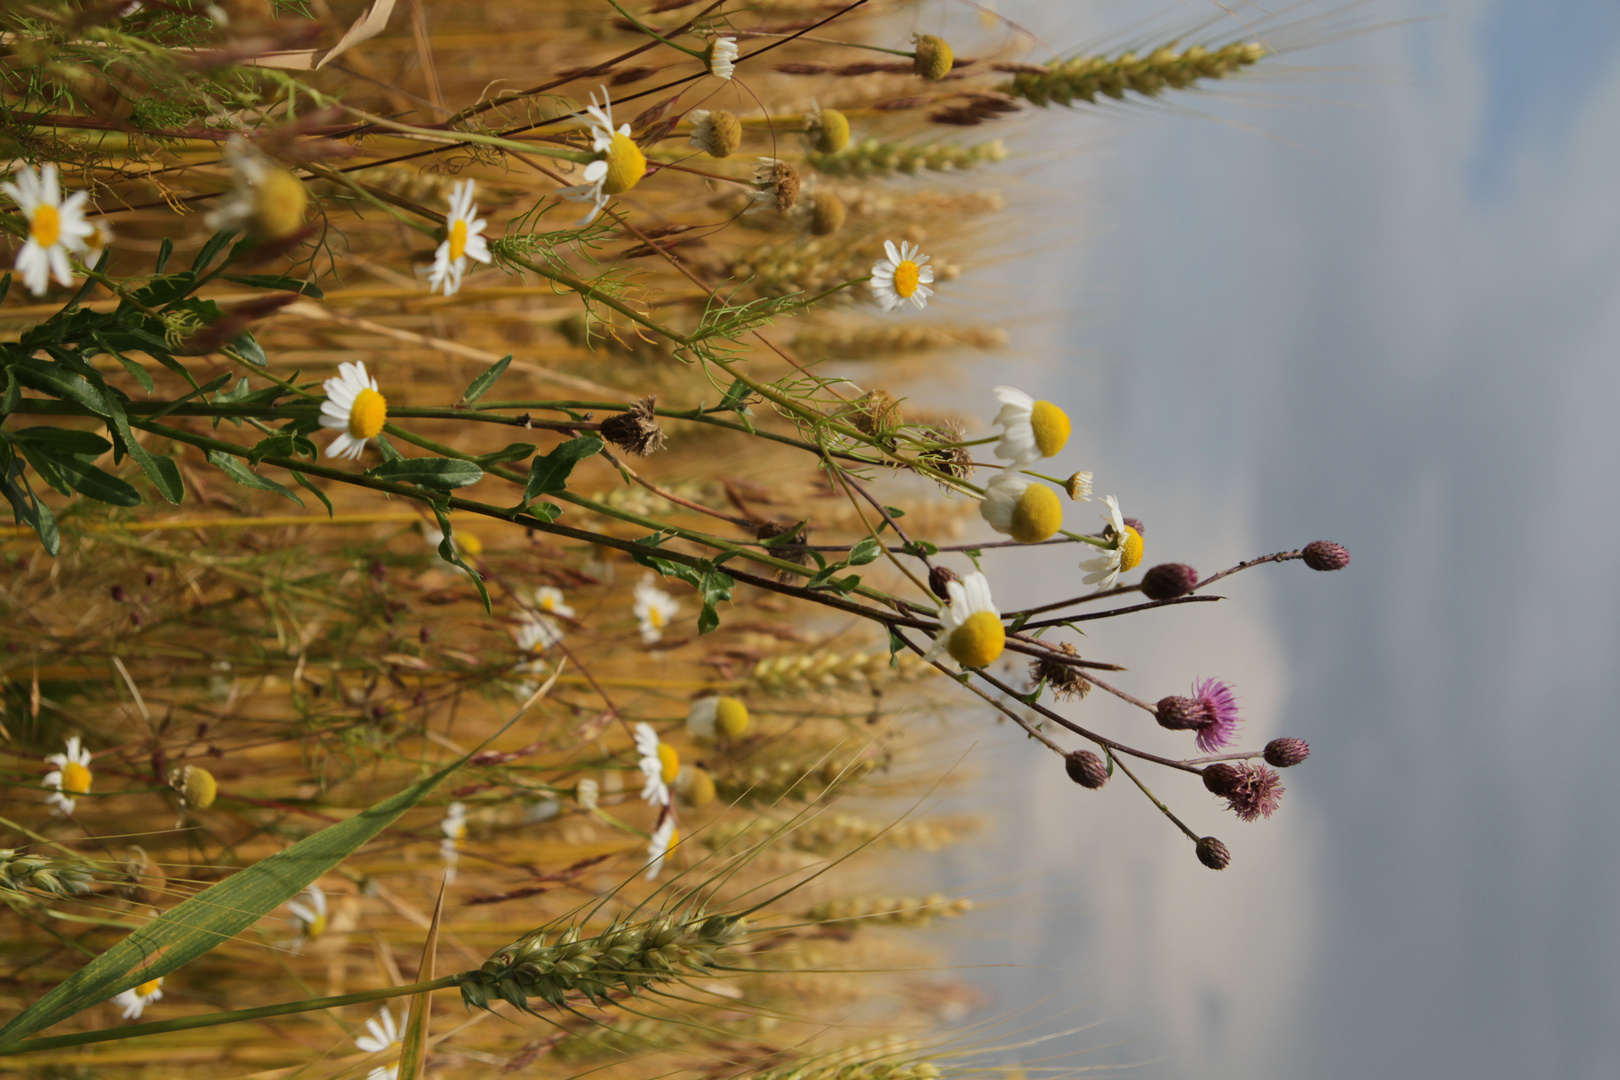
<point x="1086" y="769"/>
<point x="1168" y="581"/>
<point x="933" y="58"/>
<point x="1325" y="555"/>
<point x="1284" y="753"/>
<point x="1213" y="854"/>
<point x="875" y="413"/>
<point x="831" y="128"/>
<point x="1184" y="713"/>
<point x="1223" y="779"/>
<point x="637" y="431"/>
<point x="827" y="214"/>
<point x="777" y="183"/>
<point x="1065" y="680"/>
<point x="716" y="133"/>
<point x="939" y="577"/>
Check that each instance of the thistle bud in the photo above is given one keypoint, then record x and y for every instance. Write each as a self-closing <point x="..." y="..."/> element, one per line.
<point x="1183" y="713"/>
<point x="827" y="214"/>
<point x="1325" y="555"/>
<point x="1136" y="523"/>
<point x="938" y="578"/>
<point x="1168" y="581"/>
<point x="1213" y="854"/>
<point x="1223" y="780"/>
<point x="1282" y="753"/>
<point x="933" y="59"/>
<point x="1086" y="769"/>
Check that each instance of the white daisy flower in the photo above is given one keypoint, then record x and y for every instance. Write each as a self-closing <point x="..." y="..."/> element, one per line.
<point x="134" y="1002"/>
<point x="549" y="598"/>
<point x="1017" y="506"/>
<point x="70" y="777"/>
<point x="620" y="166"/>
<point x="355" y="407"/>
<point x="664" y="837"/>
<point x="970" y="627"/>
<point x="717" y="714"/>
<point x="463" y="240"/>
<point x="311" y="916"/>
<point x="654" y="609"/>
<point x="904" y="275"/>
<point x="1030" y="429"/>
<point x="264" y="200"/>
<point x="1124" y="555"/>
<point x="381" y="1033"/>
<point x="454" y="827"/>
<point x="537" y="632"/>
<point x="587" y="793"/>
<point x="723" y="57"/>
<point x="659" y="764"/>
<point x="56" y="228"/>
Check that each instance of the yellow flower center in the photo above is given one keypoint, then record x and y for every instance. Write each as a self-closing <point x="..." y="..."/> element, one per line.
<point x="147" y="989"/>
<point x="906" y="278"/>
<point x="978" y="641"/>
<point x="674" y="838"/>
<point x="367" y="414"/>
<point x="1037" y="515"/>
<point x="75" y="778"/>
<point x="199" y="787"/>
<point x="458" y="238"/>
<point x="834" y="135"/>
<point x="46" y="225"/>
<point x="731" y="717"/>
<point x="700" y="788"/>
<point x="655" y="618"/>
<point x="313" y="930"/>
<point x="626" y="166"/>
<point x="1130" y="552"/>
<point x="671" y="762"/>
<point x="278" y="209"/>
<point x="1051" y="427"/>
<point x="471" y="545"/>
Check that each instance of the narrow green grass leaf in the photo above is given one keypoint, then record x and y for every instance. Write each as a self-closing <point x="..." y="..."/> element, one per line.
<point x="413" y="1051"/>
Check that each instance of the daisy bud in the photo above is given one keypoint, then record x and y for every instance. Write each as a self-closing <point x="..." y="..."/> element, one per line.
<point x="1079" y="487"/>
<point x="939" y="577"/>
<point x="730" y="717"/>
<point x="1283" y="753"/>
<point x="1223" y="780"/>
<point x="933" y="58"/>
<point x="1168" y="581"/>
<point x="832" y="131"/>
<point x="721" y="57"/>
<point x="196" y="786"/>
<point x="1213" y="854"/>
<point x="1325" y="555"/>
<point x="1183" y="713"/>
<point x="826" y="214"/>
<point x="1086" y="769"/>
<point x="696" y="786"/>
<point x="716" y="133"/>
<point x="637" y="431"/>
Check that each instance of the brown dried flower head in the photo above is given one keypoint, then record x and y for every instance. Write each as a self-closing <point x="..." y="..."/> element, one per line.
<point x="875" y="413"/>
<point x="777" y="184"/>
<point x="635" y="432"/>
<point x="716" y="133"/>
<point x="827" y="214"/>
<point x="1066" y="681"/>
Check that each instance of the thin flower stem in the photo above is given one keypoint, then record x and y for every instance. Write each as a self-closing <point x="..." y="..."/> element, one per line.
<point x="1165" y="810"/>
<point x="1112" y="612"/>
<point x="1072" y="600"/>
<point x="1281" y="556"/>
<point x="650" y="32"/>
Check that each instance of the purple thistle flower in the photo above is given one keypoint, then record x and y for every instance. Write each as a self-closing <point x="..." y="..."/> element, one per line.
<point x="1221" y="706"/>
<point x="1256" y="792"/>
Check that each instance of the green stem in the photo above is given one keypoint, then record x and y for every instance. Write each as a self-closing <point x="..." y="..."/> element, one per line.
<point x="637" y="23"/>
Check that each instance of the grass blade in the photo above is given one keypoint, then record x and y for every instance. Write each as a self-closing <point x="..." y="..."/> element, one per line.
<point x="413" y="1052"/>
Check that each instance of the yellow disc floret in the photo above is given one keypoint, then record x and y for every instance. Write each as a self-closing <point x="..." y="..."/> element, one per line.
<point x="367" y="414"/>
<point x="1051" y="427"/>
<point x="75" y="778"/>
<point x="470" y="544"/>
<point x="46" y="225"/>
<point x="199" y="787"/>
<point x="730" y="717"/>
<point x="458" y="238"/>
<point x="906" y="278"/>
<point x="150" y="987"/>
<point x="833" y="134"/>
<point x="626" y="165"/>
<point x="670" y="760"/>
<point x="1130" y="552"/>
<point x="978" y="641"/>
<point x="278" y="206"/>
<point x="1037" y="515"/>
<point x="699" y="789"/>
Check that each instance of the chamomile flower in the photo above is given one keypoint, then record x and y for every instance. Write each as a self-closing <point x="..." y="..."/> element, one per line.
<point x="659" y="764"/>
<point x="587" y="793"/>
<point x="1014" y="504"/>
<point x="1123" y="554"/>
<point x="70" y="777"/>
<point x="56" y="227"/>
<point x="264" y="199"/>
<point x="723" y="57"/>
<point x="665" y="836"/>
<point x="381" y="1033"/>
<point x="1030" y="429"/>
<point x="716" y="133"/>
<point x="311" y="917"/>
<point x="654" y="610"/>
<point x="970" y="627"/>
<point x="454" y="827"/>
<point x="717" y="715"/>
<point x="620" y="166"/>
<point x="134" y="1002"/>
<point x="776" y="184"/>
<point x="354" y="407"/>
<point x="904" y="275"/>
<point x="463" y="240"/>
<point x="549" y="598"/>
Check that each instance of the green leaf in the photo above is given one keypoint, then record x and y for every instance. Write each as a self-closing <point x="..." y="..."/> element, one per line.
<point x="27" y="507"/>
<point x="545" y="511"/>
<point x="305" y="483"/>
<point x="246" y="347"/>
<point x="715" y="586"/>
<point x="208" y="387"/>
<point x="65" y="440"/>
<point x="450" y="554"/>
<point x="5" y="286"/>
<point x="441" y="474"/>
<point x="63" y="471"/>
<point x="549" y="473"/>
<point x="413" y="1046"/>
<point x="136" y="371"/>
<point x="864" y="552"/>
<point x="514" y="452"/>
<point x="214" y="245"/>
<point x="277" y="282"/>
<point x="480" y="386"/>
<point x="733" y="401"/>
<point x="215" y="915"/>
<point x="385" y="447"/>
<point x="233" y="468"/>
<point x="165" y="252"/>
<point x="896" y="644"/>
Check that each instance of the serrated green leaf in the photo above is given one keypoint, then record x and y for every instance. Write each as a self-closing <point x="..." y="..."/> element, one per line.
<point x="548" y="474"/>
<point x="231" y="466"/>
<point x="441" y="474"/>
<point x="486" y="379"/>
<point x="277" y="282"/>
